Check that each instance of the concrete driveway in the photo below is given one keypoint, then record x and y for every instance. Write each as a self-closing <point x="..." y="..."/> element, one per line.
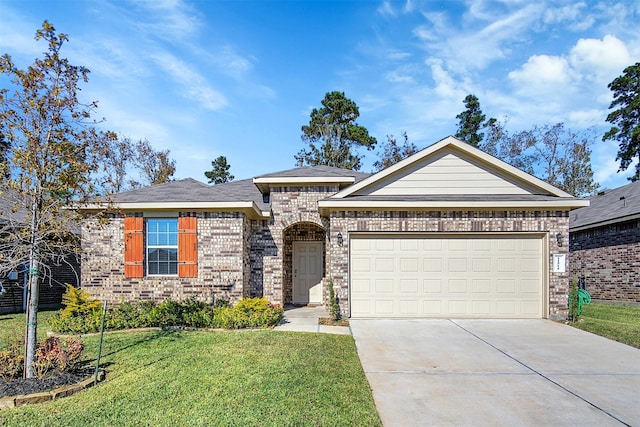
<point x="428" y="372"/>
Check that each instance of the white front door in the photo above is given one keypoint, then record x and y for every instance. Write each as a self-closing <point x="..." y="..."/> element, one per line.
<point x="307" y="272"/>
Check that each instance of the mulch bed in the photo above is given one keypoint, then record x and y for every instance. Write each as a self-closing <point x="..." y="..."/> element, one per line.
<point x="329" y="321"/>
<point x="53" y="380"/>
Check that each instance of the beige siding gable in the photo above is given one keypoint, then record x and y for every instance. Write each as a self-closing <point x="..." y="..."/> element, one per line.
<point x="450" y="172"/>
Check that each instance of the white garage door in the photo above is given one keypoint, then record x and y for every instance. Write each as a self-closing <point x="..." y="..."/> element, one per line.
<point x="450" y="276"/>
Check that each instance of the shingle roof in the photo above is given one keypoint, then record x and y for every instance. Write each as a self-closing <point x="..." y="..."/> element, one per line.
<point x="316" y="172"/>
<point x="191" y="190"/>
<point x="609" y="206"/>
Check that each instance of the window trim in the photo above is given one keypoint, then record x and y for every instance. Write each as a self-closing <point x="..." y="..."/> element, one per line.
<point x="147" y="247"/>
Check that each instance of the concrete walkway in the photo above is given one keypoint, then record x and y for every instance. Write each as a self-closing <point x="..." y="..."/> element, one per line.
<point x="443" y="372"/>
<point x="305" y="319"/>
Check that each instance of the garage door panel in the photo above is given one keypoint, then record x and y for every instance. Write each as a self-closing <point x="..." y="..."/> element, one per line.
<point x="384" y="265"/>
<point x="464" y="276"/>
<point x="457" y="286"/>
<point x="409" y="286"/>
<point x="481" y="265"/>
<point x="408" y="265"/>
<point x="384" y="307"/>
<point x="432" y="307"/>
<point x="481" y="286"/>
<point x="384" y="286"/>
<point x="409" y="307"/>
<point x="360" y="265"/>
<point x="432" y="286"/>
<point x="481" y="307"/>
<point x="457" y="265"/>
<point x="457" y="307"/>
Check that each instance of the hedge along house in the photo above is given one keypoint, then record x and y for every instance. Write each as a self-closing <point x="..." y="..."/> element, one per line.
<point x="605" y="244"/>
<point x="447" y="232"/>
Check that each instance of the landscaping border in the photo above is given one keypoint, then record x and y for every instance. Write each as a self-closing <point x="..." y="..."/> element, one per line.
<point x="9" y="402"/>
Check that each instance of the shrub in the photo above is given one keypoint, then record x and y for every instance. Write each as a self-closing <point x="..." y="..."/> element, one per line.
<point x="52" y="354"/>
<point x="573" y="301"/>
<point x="334" y="308"/>
<point x="79" y="324"/>
<point x="78" y="302"/>
<point x="249" y="305"/>
<point x="11" y="361"/>
<point x="248" y="313"/>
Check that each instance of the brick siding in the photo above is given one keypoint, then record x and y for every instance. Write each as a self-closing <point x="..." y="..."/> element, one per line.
<point x="294" y="214"/>
<point x="608" y="257"/>
<point x="222" y="263"/>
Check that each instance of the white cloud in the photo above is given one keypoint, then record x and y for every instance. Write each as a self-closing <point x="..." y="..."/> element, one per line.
<point x="586" y="118"/>
<point x="541" y="74"/>
<point x="397" y="76"/>
<point x="397" y="55"/>
<point x="194" y="85"/>
<point x="386" y="9"/>
<point x="575" y="17"/>
<point x="600" y="60"/>
<point x="169" y="19"/>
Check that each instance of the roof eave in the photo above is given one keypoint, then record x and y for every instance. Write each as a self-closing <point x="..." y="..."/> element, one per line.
<point x="605" y="222"/>
<point x="328" y="205"/>
<point x="263" y="184"/>
<point x="250" y="208"/>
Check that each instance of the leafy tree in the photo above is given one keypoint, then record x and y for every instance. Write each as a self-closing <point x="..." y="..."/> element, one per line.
<point x="393" y="152"/>
<point x="626" y="119"/>
<point x="551" y="152"/>
<point x="53" y="154"/>
<point x="120" y="155"/>
<point x="332" y="133"/>
<point x="156" y="167"/>
<point x="471" y="120"/>
<point x="220" y="172"/>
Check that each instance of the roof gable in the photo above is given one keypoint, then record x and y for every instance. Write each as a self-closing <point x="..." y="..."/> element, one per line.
<point x="450" y="167"/>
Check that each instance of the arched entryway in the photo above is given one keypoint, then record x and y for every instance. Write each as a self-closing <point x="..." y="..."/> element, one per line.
<point x="303" y="263"/>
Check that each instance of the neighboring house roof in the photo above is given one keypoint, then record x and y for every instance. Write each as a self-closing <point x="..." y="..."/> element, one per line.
<point x="608" y="207"/>
<point x="453" y="174"/>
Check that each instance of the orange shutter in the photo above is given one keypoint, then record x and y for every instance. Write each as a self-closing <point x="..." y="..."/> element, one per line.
<point x="133" y="247"/>
<point x="187" y="247"/>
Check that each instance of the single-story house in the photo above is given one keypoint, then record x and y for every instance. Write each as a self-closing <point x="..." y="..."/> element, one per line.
<point x="605" y="244"/>
<point x="448" y="232"/>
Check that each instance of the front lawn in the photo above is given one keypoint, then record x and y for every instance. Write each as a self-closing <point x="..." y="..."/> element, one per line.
<point x="619" y="323"/>
<point x="196" y="378"/>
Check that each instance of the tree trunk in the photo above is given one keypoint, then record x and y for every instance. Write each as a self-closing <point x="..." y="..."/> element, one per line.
<point x="31" y="339"/>
<point x="33" y="293"/>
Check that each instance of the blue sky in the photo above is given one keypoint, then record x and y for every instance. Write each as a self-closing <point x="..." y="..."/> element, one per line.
<point x="239" y="78"/>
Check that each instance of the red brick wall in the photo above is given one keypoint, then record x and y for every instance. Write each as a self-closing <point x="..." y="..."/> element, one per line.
<point x="608" y="258"/>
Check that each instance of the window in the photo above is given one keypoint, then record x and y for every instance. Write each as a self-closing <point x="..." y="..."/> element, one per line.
<point x="162" y="246"/>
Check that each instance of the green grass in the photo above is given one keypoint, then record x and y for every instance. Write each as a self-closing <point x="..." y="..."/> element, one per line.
<point x="196" y="378"/>
<point x="619" y="323"/>
<point x="13" y="326"/>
